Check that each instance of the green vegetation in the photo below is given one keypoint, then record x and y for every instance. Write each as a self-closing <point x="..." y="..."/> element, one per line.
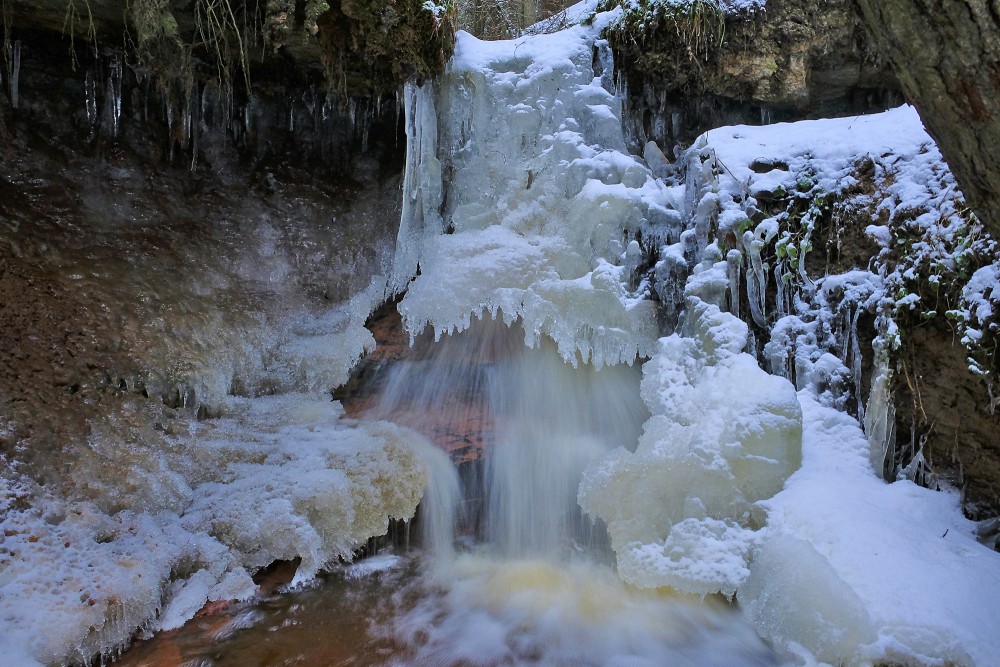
<point x="72" y="22"/>
<point x="699" y="26"/>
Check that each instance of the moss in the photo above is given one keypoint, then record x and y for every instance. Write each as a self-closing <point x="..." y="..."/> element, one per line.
<point x="692" y="29"/>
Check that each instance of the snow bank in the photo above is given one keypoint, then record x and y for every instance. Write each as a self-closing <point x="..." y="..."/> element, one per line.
<point x="849" y="569"/>
<point x="883" y="572"/>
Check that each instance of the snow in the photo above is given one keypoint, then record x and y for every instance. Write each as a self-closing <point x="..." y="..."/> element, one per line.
<point x="894" y="567"/>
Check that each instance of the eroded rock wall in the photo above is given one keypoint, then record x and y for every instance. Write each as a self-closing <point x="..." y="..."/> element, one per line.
<point x="688" y="71"/>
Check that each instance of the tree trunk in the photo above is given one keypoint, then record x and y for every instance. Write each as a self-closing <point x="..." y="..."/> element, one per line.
<point x="946" y="54"/>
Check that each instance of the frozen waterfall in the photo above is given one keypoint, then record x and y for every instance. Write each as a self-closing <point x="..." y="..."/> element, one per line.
<point x="526" y="217"/>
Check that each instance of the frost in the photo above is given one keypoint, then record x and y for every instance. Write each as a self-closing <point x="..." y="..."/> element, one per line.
<point x="279" y="478"/>
<point x="695" y="552"/>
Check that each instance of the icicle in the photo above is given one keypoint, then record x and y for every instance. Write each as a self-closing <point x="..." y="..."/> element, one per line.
<point x="422" y="184"/>
<point x="756" y="278"/>
<point x="170" y="125"/>
<point x="367" y="118"/>
<point x="112" y="98"/>
<point x="605" y="65"/>
<point x="15" y="75"/>
<point x="781" y="286"/>
<point x="90" y="91"/>
<point x="854" y="357"/>
<point x="880" y="418"/>
<point x="185" y="123"/>
<point x="116" y="74"/>
<point x="193" y="125"/>
<point x="201" y="107"/>
<point x="734" y="258"/>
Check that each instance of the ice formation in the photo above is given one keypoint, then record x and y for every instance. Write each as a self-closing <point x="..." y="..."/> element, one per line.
<point x="712" y="498"/>
<point x="521" y="202"/>
<point x="830" y="576"/>
<point x="538" y="196"/>
<point x="279" y="478"/>
<point x="723" y="435"/>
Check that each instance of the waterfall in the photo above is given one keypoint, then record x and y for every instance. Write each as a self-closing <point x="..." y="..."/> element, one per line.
<point x="541" y="423"/>
<point x="525" y="225"/>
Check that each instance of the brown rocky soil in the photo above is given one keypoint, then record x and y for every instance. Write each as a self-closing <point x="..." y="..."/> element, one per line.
<point x="125" y="280"/>
<point x="943" y="405"/>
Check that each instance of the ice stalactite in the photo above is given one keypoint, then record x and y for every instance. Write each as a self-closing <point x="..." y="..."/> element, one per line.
<point x="112" y="112"/>
<point x="15" y="74"/>
<point x="880" y="418"/>
<point x="422" y="186"/>
<point x="90" y="98"/>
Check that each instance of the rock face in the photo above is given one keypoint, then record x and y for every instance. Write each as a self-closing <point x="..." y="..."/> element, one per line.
<point x="944" y="410"/>
<point x="947" y="56"/>
<point x="361" y="47"/>
<point x="695" y="69"/>
<point x="136" y="255"/>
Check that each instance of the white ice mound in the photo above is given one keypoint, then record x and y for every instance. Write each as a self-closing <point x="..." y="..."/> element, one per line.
<point x="795" y="597"/>
<point x="521" y="201"/>
<point x="310" y="488"/>
<point x="723" y="435"/>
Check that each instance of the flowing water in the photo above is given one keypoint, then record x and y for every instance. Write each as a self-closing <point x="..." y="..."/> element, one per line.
<point x="507" y="570"/>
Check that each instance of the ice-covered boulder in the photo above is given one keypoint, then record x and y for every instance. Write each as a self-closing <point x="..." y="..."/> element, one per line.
<point x="723" y="435"/>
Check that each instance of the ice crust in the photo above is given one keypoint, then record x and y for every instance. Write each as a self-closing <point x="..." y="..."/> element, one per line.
<point x="279" y="478"/>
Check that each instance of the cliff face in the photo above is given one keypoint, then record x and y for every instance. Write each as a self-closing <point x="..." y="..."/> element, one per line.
<point x="150" y="242"/>
<point x="688" y="70"/>
<point x="359" y="47"/>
